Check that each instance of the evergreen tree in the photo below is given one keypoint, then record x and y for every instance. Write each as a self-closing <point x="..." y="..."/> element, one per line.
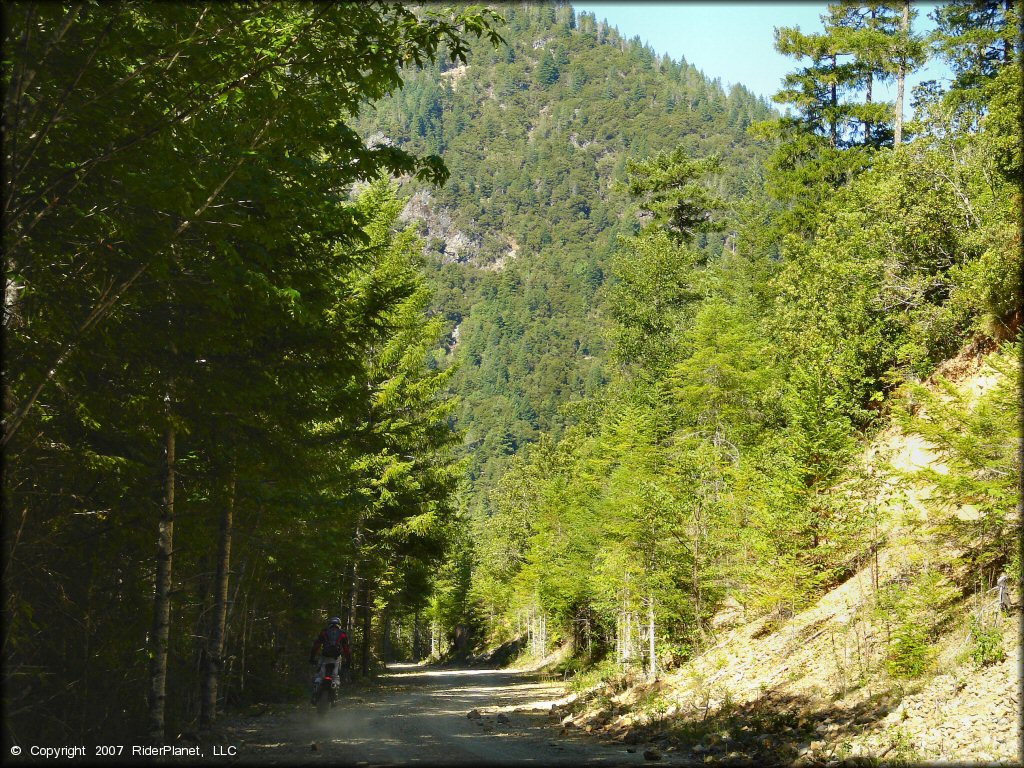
<point x="978" y="39"/>
<point x="547" y="69"/>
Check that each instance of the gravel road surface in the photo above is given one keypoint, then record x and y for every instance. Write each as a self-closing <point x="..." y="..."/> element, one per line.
<point x="418" y="716"/>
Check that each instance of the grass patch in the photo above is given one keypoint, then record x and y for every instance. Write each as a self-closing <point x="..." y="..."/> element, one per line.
<point x="604" y="675"/>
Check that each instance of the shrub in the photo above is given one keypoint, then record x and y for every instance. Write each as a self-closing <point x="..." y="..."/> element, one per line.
<point x="912" y="608"/>
<point x="987" y="645"/>
<point x="909" y="653"/>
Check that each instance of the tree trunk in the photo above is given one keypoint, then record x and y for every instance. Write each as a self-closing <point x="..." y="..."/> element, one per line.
<point x="160" y="635"/>
<point x="901" y="75"/>
<point x="1007" y="41"/>
<point x="245" y="637"/>
<point x="867" y="101"/>
<point x="653" y="672"/>
<point x="543" y="635"/>
<point x="870" y="82"/>
<point x="618" y="638"/>
<point x="215" y="649"/>
<point x="365" y="597"/>
<point x="416" y="636"/>
<point x="696" y="566"/>
<point x="348" y="598"/>
<point x="833" y="132"/>
<point x="629" y="637"/>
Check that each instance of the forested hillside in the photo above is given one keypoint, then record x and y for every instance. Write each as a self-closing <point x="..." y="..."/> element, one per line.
<point x="720" y="462"/>
<point x="537" y="135"/>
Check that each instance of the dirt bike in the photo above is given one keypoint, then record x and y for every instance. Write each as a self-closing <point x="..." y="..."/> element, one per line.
<point x="327" y="686"/>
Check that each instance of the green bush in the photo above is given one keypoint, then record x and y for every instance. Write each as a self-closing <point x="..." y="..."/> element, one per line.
<point x="987" y="645"/>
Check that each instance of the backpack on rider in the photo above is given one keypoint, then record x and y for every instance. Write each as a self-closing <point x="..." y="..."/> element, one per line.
<point x="334" y="640"/>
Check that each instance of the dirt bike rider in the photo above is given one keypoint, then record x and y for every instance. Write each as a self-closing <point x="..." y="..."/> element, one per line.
<point x="331" y="643"/>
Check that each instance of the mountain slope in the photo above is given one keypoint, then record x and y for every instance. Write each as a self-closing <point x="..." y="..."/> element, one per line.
<point x="537" y="136"/>
<point x="819" y="686"/>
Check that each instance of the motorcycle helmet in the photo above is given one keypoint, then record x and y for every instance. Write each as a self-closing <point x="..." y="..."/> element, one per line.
<point x="334" y="620"/>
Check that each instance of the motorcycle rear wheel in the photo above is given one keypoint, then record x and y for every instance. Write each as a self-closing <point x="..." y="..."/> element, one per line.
<point x="323" y="701"/>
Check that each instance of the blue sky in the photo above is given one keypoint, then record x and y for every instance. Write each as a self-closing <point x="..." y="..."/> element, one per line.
<point x="733" y="41"/>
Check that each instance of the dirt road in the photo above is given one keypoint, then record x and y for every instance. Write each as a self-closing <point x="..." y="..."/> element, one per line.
<point x="418" y="716"/>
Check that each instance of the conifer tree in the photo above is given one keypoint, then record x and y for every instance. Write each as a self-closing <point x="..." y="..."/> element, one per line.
<point x="978" y="38"/>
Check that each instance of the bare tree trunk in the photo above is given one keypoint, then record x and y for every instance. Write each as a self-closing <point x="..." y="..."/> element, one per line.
<point x="348" y="604"/>
<point x="629" y="636"/>
<point x="215" y="649"/>
<point x="160" y="635"/>
<point x="653" y="672"/>
<point x="534" y="631"/>
<point x="867" y="101"/>
<point x="416" y="651"/>
<point x="367" y="639"/>
<point x="901" y="75"/>
<point x="833" y="124"/>
<point x="348" y="599"/>
<point x="698" y="527"/>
